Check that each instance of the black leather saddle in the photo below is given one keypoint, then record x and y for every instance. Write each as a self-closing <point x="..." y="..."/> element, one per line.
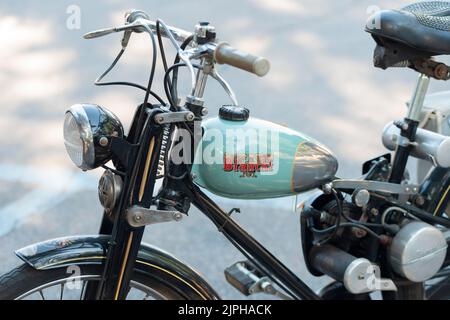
<point x="412" y="34"/>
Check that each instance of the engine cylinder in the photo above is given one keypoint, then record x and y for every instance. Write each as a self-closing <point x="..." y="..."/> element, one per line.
<point x="353" y="272"/>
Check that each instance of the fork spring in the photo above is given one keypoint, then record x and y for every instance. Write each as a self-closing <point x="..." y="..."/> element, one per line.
<point x="165" y="144"/>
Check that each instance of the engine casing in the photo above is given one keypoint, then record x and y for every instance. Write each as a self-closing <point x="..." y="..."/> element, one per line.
<point x="418" y="251"/>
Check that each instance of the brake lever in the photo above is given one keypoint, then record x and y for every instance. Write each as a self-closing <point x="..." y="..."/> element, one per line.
<point x="107" y="31"/>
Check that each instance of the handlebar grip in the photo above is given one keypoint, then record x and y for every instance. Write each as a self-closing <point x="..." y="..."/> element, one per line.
<point x="225" y="54"/>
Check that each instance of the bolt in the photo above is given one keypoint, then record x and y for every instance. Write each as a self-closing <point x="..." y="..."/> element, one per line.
<point x="327" y="188"/>
<point x="190" y="116"/>
<point x="103" y="141"/>
<point x="159" y="119"/>
<point x="374" y="211"/>
<point x="420" y="201"/>
<point x="267" y="287"/>
<point x="205" y="111"/>
<point x="177" y="216"/>
<point x="137" y="218"/>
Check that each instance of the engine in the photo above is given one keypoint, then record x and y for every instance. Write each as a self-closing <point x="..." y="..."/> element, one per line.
<point x="351" y="242"/>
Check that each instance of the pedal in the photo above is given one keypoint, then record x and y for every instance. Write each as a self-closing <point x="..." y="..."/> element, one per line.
<point x="245" y="278"/>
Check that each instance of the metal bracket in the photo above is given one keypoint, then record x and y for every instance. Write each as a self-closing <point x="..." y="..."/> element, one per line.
<point x="171" y="117"/>
<point x="137" y="216"/>
<point x="123" y="150"/>
<point x="266" y="286"/>
<point x="377" y="186"/>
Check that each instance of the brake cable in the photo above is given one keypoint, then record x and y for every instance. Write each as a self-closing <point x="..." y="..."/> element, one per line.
<point x="123" y="83"/>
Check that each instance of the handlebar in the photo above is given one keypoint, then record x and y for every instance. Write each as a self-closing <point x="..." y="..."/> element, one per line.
<point x="203" y="47"/>
<point x="180" y="35"/>
<point x="225" y="54"/>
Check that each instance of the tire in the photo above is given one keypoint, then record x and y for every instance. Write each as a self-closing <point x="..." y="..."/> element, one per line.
<point x="25" y="279"/>
<point x="411" y="292"/>
<point x="439" y="289"/>
<point x="337" y="291"/>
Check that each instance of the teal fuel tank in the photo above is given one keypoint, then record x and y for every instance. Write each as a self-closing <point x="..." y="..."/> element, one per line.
<point x="247" y="158"/>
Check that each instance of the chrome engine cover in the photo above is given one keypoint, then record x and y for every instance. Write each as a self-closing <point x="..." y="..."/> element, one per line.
<point x="418" y="251"/>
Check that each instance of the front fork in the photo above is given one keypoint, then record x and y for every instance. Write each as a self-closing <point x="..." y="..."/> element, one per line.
<point x="139" y="156"/>
<point x="142" y="152"/>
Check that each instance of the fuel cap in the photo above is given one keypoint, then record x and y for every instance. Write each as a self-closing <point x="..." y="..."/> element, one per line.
<point x="234" y="113"/>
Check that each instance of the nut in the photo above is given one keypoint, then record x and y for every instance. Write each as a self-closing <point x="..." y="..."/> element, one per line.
<point x="103" y="141"/>
<point x="441" y="71"/>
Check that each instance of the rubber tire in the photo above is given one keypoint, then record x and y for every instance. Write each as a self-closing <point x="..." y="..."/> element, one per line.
<point x="25" y="278"/>
<point x="440" y="290"/>
<point x="414" y="291"/>
<point x="337" y="291"/>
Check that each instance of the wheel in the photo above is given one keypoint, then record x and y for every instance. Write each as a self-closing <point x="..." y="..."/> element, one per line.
<point x="413" y="291"/>
<point x="439" y="288"/>
<point x="69" y="283"/>
<point x="337" y="291"/>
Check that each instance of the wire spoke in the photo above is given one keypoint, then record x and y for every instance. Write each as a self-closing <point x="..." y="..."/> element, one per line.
<point x="147" y="297"/>
<point x="148" y="293"/>
<point x="83" y="289"/>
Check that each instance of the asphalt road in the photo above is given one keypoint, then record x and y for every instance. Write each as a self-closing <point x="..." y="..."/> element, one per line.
<point x="322" y="83"/>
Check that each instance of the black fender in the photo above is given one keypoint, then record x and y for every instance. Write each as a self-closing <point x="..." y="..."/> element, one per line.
<point x="66" y="251"/>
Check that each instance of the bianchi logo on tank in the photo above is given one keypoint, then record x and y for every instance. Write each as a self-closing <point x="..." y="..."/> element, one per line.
<point x="248" y="164"/>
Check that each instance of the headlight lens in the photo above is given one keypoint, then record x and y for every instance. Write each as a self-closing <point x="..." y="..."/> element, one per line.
<point x="84" y="126"/>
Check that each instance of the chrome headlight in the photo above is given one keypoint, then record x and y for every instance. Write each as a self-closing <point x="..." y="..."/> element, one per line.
<point x="87" y="129"/>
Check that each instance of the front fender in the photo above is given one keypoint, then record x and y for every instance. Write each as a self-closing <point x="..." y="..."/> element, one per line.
<point x="66" y="251"/>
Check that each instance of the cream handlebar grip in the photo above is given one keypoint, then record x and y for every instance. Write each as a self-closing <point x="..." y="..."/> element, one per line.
<point x="225" y="54"/>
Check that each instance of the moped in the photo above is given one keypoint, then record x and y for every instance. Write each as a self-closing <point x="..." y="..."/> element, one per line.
<point x="380" y="233"/>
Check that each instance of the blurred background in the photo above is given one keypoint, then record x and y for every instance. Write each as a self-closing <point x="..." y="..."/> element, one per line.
<point x="322" y="83"/>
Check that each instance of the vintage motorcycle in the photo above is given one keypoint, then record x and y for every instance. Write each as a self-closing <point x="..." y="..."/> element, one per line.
<point x="380" y="233"/>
